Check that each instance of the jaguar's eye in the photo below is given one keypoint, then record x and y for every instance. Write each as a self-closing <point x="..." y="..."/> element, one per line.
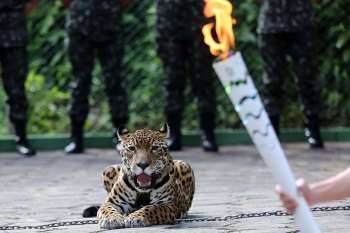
<point x="131" y="148"/>
<point x="154" y="148"/>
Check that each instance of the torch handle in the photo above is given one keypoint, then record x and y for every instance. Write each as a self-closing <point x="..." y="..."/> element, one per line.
<point x="284" y="176"/>
<point x="282" y="173"/>
<point x="303" y="217"/>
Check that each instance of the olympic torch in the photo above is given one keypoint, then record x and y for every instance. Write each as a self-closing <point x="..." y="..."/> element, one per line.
<point x="234" y="76"/>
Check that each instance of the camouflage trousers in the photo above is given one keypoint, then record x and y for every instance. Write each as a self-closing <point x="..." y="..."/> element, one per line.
<point x="274" y="49"/>
<point x="14" y="68"/>
<point x="82" y="53"/>
<point x="182" y="60"/>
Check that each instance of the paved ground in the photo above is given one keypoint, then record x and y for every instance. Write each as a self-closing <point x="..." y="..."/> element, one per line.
<point x="52" y="187"/>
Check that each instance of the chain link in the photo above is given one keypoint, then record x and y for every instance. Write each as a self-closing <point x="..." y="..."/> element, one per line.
<point x="188" y="220"/>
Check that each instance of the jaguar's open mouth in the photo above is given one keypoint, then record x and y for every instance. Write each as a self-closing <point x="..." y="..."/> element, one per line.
<point x="144" y="180"/>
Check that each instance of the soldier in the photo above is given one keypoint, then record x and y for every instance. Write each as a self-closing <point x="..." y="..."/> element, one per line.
<point x="94" y="31"/>
<point x="183" y="53"/>
<point x="285" y="28"/>
<point x="14" y="66"/>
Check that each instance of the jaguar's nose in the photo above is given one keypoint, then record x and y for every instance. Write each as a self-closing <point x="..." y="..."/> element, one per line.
<point x="143" y="165"/>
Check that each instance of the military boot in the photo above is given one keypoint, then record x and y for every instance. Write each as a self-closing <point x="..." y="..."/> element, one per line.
<point x="174" y="140"/>
<point x="312" y="132"/>
<point x="23" y="146"/>
<point x="76" y="145"/>
<point x="207" y="132"/>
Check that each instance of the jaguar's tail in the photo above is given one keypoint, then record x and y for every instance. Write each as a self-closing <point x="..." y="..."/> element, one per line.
<point x="91" y="211"/>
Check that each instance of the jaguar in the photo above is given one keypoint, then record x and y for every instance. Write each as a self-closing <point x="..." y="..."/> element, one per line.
<point x="149" y="187"/>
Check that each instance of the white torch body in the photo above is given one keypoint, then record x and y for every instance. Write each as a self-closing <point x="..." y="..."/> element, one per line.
<point x="241" y="90"/>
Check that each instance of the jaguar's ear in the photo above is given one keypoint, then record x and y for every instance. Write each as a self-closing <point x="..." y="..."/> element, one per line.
<point x="165" y="130"/>
<point x="120" y="134"/>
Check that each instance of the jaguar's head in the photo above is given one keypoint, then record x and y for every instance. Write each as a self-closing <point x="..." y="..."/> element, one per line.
<point x="145" y="155"/>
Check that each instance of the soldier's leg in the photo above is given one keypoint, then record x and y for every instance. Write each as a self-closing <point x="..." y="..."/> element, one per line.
<point x="110" y="55"/>
<point x="174" y="57"/>
<point x="273" y="52"/>
<point x="302" y="52"/>
<point x="14" y="66"/>
<point x="81" y="55"/>
<point x="202" y="83"/>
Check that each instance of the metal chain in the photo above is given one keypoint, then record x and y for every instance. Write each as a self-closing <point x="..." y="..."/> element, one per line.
<point x="51" y="225"/>
<point x="212" y="219"/>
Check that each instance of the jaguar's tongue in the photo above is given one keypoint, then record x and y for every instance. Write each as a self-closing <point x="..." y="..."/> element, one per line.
<point x="144" y="180"/>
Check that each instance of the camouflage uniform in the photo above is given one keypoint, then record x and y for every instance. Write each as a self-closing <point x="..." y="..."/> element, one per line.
<point x="182" y="50"/>
<point x="13" y="60"/>
<point x="94" y="30"/>
<point x="286" y="29"/>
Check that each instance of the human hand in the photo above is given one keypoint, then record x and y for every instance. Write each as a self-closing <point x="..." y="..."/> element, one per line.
<point x="289" y="202"/>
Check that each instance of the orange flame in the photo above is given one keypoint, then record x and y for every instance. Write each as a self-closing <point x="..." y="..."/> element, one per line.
<point x="222" y="11"/>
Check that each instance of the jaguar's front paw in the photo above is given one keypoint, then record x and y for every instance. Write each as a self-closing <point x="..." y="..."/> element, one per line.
<point x="136" y="222"/>
<point x="111" y="223"/>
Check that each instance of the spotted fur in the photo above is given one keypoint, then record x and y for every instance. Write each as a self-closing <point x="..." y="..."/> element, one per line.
<point x="154" y="194"/>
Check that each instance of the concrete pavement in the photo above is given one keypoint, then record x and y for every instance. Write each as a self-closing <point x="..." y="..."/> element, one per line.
<point x="52" y="187"/>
